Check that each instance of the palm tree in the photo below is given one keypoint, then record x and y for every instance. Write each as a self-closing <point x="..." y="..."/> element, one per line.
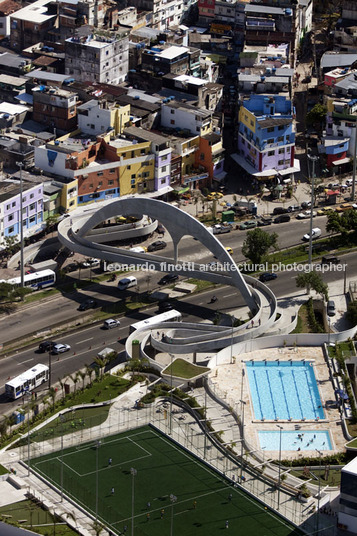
<point x="52" y="394"/>
<point x="89" y="372"/>
<point x="100" y="362"/>
<point x="74" y="379"/>
<point x="62" y="386"/>
<point x="82" y="376"/>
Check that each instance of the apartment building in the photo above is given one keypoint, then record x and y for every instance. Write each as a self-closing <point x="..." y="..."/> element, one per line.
<point x="55" y="107"/>
<point x="183" y="116"/>
<point x="97" y="117"/>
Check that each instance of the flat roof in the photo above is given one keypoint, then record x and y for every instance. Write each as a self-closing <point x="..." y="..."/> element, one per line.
<point x="254" y="8"/>
<point x="172" y="52"/>
<point x="36" y="12"/>
<point x="12" y="109"/>
<point x="12" y="80"/>
<point x="274" y="122"/>
<point x="351" y="467"/>
<point x="330" y="59"/>
<point x="12" y="189"/>
<point x="46" y="75"/>
<point x="190" y="80"/>
<point x="145" y="135"/>
<point x="188" y="108"/>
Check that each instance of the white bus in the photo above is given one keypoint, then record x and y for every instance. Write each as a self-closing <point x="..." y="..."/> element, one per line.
<point x="169" y="316"/>
<point x="35" y="281"/>
<point x="27" y="381"/>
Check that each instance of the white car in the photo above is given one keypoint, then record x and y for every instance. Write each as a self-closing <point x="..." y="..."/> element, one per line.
<point x="306" y="214"/>
<point x="316" y="232"/>
<point x="349" y="182"/>
<point x="60" y="348"/>
<point x="111" y="323"/>
<point x="91" y="263"/>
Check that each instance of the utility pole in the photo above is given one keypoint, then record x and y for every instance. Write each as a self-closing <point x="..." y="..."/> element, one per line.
<point x="313" y="159"/>
<point x="279" y="483"/>
<point x="21" y="222"/>
<point x="353" y="193"/>
<point x="133" y="475"/>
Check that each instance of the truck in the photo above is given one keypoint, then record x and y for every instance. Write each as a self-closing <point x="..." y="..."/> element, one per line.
<point x="221" y="229"/>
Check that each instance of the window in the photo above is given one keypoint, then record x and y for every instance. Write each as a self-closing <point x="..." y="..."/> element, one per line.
<point x="162" y="181"/>
<point x="163" y="168"/>
<point x="92" y="126"/>
<point x="32" y="219"/>
<point x="100" y="174"/>
<point x="197" y="129"/>
<point x="100" y="183"/>
<point x="132" y="182"/>
<point x="145" y="174"/>
<point x="172" y="111"/>
<point x="111" y="171"/>
<point x="11" y="217"/>
<point x="281" y="151"/>
<point x="271" y="153"/>
<point x="110" y="183"/>
<point x="7" y="207"/>
<point x="270" y="140"/>
<point x="80" y="198"/>
<point x="133" y="176"/>
<point x="287" y="162"/>
<point x="24" y="199"/>
<point x="13" y="204"/>
<point x="142" y="152"/>
<point x="271" y="129"/>
<point x="11" y="230"/>
<point x="128" y="167"/>
<point x="132" y="154"/>
<point x="172" y="122"/>
<point x="252" y="122"/>
<point x="32" y="196"/>
<point x="288" y="149"/>
<point x="281" y="138"/>
<point x="280" y="162"/>
<point x="32" y="206"/>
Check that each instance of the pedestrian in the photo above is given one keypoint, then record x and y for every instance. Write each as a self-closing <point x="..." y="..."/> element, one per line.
<point x="113" y="491"/>
<point x="252" y="323"/>
<point x="259" y="322"/>
<point x="125" y="528"/>
<point x="230" y="497"/>
<point x="227" y="524"/>
<point x="194" y="505"/>
<point x="148" y="505"/>
<point x="162" y="513"/>
<point x="148" y="516"/>
<point x="110" y="462"/>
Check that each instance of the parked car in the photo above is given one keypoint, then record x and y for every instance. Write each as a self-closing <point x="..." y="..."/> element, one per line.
<point x="264" y="221"/>
<point x="156" y="246"/>
<point x="283" y="218"/>
<point x="221" y="229"/>
<point x="229" y="250"/>
<point x="160" y="229"/>
<point x="168" y="278"/>
<point x="349" y="182"/>
<point x="305" y="205"/>
<point x="250" y="224"/>
<point x="60" y="348"/>
<point x="71" y="267"/>
<point x="279" y="210"/>
<point x="267" y="276"/>
<point x="306" y="214"/>
<point x="323" y="211"/>
<point x="91" y="263"/>
<point x="293" y="208"/>
<point x="316" y="233"/>
<point x="331" y="308"/>
<point x="46" y="346"/>
<point x="87" y="304"/>
<point x="344" y="207"/>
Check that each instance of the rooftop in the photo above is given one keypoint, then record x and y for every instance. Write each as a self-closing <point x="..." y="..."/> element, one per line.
<point x="13" y="60"/>
<point x="12" y="109"/>
<point x="15" y="81"/>
<point x="331" y="59"/>
<point x="188" y="108"/>
<point x="47" y="76"/>
<point x="145" y="135"/>
<point x="254" y="8"/>
<point x="273" y="122"/>
<point x="36" y="12"/>
<point x="10" y="189"/>
<point x="172" y="52"/>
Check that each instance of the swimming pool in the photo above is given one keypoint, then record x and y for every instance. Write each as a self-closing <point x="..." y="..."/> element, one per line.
<point x="285" y="390"/>
<point x="295" y="440"/>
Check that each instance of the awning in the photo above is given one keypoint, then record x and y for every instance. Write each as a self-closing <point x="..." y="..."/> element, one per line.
<point x="341" y="162"/>
<point x="183" y="190"/>
<point x="220" y="177"/>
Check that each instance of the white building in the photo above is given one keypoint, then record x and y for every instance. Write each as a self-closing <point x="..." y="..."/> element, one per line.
<point x="182" y="116"/>
<point x="96" y="117"/>
<point x="303" y="21"/>
<point x="347" y="516"/>
<point x="97" y="58"/>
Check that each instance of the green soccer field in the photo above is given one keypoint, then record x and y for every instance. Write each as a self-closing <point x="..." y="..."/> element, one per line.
<point x="205" y="501"/>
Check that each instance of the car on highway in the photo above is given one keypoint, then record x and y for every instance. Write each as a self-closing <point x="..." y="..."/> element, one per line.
<point x="282" y="218"/>
<point x="87" y="304"/>
<point x="267" y="276"/>
<point x="305" y="204"/>
<point x="60" y="348"/>
<point x="344" y="207"/>
<point x="323" y="211"/>
<point x="111" y="323"/>
<point x="316" y="233"/>
<point x="157" y="245"/>
<point x="229" y="250"/>
<point x="46" y="346"/>
<point x="221" y="229"/>
<point x="168" y="278"/>
<point x="165" y="306"/>
<point x="250" y="224"/>
<point x="330" y="259"/>
<point x="306" y="214"/>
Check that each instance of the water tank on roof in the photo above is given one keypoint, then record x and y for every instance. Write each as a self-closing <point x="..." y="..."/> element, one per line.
<point x="136" y="97"/>
<point x="262" y="78"/>
<point x="273" y="70"/>
<point x="288" y="12"/>
<point x="161" y="42"/>
<point x="172" y="97"/>
<point x="57" y="142"/>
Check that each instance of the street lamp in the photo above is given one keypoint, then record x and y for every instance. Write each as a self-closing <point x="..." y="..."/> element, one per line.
<point x="313" y="158"/>
<point x="318" y="497"/>
<point x="133" y="473"/>
<point x="242" y="442"/>
<point x="232" y="320"/>
<point x="353" y="193"/>
<point x="280" y="429"/>
<point x="173" y="499"/>
<point x="22" y="270"/>
<point x="28" y="434"/>
<point x="62" y="418"/>
<point x="171" y="357"/>
<point x="97" y="445"/>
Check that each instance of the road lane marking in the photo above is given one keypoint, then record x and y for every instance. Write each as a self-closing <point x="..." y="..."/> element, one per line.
<point x="85" y="340"/>
<point x="27" y="360"/>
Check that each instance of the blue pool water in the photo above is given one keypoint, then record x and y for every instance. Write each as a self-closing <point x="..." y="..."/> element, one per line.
<point x="310" y="440"/>
<point x="284" y="390"/>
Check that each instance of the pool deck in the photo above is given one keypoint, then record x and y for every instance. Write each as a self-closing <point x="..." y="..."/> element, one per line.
<point x="229" y="384"/>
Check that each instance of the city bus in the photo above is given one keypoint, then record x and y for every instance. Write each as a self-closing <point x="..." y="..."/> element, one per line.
<point x="27" y="381"/>
<point x="34" y="281"/>
<point x="169" y="316"/>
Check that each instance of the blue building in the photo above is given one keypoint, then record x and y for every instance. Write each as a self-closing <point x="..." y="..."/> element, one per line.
<point x="266" y="137"/>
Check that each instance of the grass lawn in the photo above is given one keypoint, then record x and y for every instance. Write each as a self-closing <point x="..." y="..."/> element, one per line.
<point x="333" y="479"/>
<point x="202" y="497"/>
<point x="109" y="387"/>
<point x="3" y="470"/>
<point x="183" y="369"/>
<point x="200" y="284"/>
<point x="302" y="323"/>
<point x="72" y="421"/>
<point x="35" y="516"/>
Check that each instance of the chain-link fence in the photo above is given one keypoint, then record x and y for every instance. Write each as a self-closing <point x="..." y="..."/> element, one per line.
<point x="182" y="427"/>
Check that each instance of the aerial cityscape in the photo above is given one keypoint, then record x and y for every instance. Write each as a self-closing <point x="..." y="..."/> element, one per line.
<point x="178" y="269"/>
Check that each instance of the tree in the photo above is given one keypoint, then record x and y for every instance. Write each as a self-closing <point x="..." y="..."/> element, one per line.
<point x="52" y="394"/>
<point x="100" y="362"/>
<point x="89" y="372"/>
<point x="312" y="280"/>
<point x="82" y="376"/>
<point x="51" y="222"/>
<point x="317" y="115"/>
<point x="257" y="244"/>
<point x="97" y="527"/>
<point x="352" y="312"/>
<point x="11" y="245"/>
<point x="333" y="224"/>
<point x="75" y="379"/>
